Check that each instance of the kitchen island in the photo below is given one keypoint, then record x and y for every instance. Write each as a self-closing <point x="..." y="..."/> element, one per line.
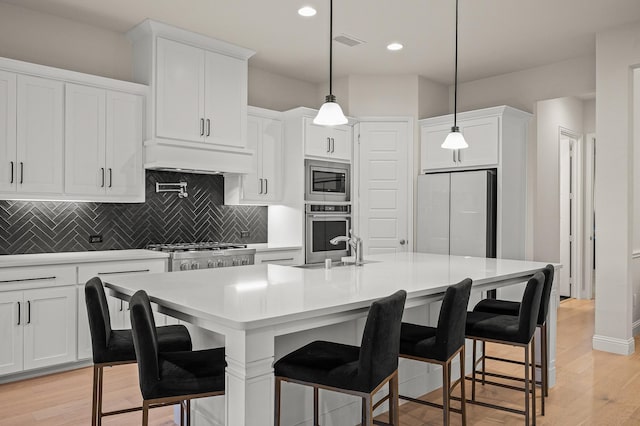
<point x="263" y="311"/>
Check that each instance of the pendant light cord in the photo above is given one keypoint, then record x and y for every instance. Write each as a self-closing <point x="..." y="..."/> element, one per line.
<point x="331" y="47"/>
<point x="455" y="87"/>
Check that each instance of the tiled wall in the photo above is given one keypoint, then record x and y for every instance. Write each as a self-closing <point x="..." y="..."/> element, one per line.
<point x="42" y="227"/>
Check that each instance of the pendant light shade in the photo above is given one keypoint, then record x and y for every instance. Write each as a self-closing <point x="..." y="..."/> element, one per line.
<point x="455" y="139"/>
<point x="330" y="113"/>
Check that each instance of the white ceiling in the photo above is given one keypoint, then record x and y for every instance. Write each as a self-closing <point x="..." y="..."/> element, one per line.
<point x="496" y="36"/>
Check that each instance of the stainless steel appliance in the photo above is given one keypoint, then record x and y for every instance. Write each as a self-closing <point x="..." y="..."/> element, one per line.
<point x="324" y="222"/>
<point x="186" y="256"/>
<point x="327" y="181"/>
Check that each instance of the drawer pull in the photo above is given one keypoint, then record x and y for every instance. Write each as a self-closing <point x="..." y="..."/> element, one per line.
<point x="277" y="260"/>
<point x="124" y="272"/>
<point x="11" y="172"/>
<point x="19" y="313"/>
<point x="27" y="279"/>
<point x="28" y="312"/>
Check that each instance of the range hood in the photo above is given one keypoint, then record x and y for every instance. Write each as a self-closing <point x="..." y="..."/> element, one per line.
<point x="197" y="157"/>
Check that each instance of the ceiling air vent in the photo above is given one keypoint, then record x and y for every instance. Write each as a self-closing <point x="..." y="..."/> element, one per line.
<point x="348" y="40"/>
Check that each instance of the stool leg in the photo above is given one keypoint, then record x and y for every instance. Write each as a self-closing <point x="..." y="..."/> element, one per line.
<point x="394" y="409"/>
<point x="188" y="410"/>
<point x="542" y="379"/>
<point x="182" y="413"/>
<point x="100" y="389"/>
<point x="145" y="413"/>
<point x="94" y="403"/>
<point x="526" y="385"/>
<point x="484" y="362"/>
<point x="446" y="383"/>
<point x="276" y="410"/>
<point x="473" y="372"/>
<point x="316" y="422"/>
<point x="533" y="379"/>
<point x="368" y="412"/>
<point x="364" y="412"/>
<point x="545" y="360"/>
<point x="463" y="404"/>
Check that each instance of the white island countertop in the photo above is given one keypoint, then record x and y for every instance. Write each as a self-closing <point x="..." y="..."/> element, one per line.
<point x="256" y="296"/>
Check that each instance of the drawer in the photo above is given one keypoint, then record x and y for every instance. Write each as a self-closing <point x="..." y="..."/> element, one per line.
<point x="280" y="257"/>
<point x="37" y="277"/>
<point x="129" y="267"/>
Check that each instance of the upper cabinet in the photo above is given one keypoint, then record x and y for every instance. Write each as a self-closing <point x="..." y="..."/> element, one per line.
<point x="198" y="108"/>
<point x="7" y="132"/>
<point x="103" y="143"/>
<point x="487" y="131"/>
<point x="264" y="136"/>
<point x="328" y="142"/>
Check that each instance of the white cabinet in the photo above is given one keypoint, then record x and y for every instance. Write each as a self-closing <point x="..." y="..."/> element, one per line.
<point x="118" y="309"/>
<point x="11" y="335"/>
<point x="103" y="155"/>
<point x="482" y="134"/>
<point x="39" y="159"/>
<point x="330" y="142"/>
<point x="263" y="185"/>
<point x="201" y="95"/>
<point x="8" y="160"/>
<point x="279" y="257"/>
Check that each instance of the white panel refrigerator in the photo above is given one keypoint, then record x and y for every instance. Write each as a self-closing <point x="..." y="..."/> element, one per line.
<point x="457" y="213"/>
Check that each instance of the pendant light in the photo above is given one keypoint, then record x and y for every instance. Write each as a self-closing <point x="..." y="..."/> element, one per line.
<point x="330" y="113"/>
<point x="455" y="140"/>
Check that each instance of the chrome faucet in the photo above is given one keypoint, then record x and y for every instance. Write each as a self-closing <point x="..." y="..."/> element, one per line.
<point x="354" y="241"/>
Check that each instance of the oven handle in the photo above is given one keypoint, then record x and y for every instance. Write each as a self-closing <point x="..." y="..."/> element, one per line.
<point x="330" y="215"/>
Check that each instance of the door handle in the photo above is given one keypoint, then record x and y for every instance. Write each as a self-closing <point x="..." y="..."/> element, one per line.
<point x="19" y="313"/>
<point x="202" y="127"/>
<point x="102" y="171"/>
<point x="208" y="127"/>
<point x="28" y="312"/>
<point x="403" y="242"/>
<point x="11" y="172"/>
<point x="260" y="186"/>
<point x="110" y="177"/>
<point x="21" y="172"/>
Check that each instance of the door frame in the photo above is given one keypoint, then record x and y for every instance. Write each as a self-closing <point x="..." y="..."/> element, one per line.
<point x="589" y="216"/>
<point x="411" y="176"/>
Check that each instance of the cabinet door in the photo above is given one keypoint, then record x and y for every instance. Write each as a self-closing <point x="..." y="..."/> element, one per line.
<point x="252" y="187"/>
<point x="125" y="173"/>
<point x="433" y="156"/>
<point x="271" y="157"/>
<point x="40" y="135"/>
<point x="180" y="91"/>
<point x="11" y="321"/>
<point x="84" y="336"/>
<point x="8" y="165"/>
<point x="84" y="140"/>
<point x="50" y="326"/>
<point x="225" y="100"/>
<point x="317" y="140"/>
<point x="341" y="143"/>
<point x="482" y="136"/>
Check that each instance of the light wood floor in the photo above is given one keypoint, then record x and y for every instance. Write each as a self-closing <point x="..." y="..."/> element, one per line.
<point x="593" y="388"/>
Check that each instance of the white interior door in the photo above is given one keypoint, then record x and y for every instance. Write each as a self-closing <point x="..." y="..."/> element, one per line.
<point x="568" y="211"/>
<point x="432" y="221"/>
<point x="383" y="186"/>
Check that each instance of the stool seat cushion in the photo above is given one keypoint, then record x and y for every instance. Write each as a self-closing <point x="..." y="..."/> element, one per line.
<point x="120" y="347"/>
<point x="187" y="373"/>
<point x="498" y="307"/>
<point x="418" y="340"/>
<point x="495" y="327"/>
<point x="325" y="363"/>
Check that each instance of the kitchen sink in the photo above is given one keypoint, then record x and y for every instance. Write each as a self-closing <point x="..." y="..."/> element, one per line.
<point x="333" y="265"/>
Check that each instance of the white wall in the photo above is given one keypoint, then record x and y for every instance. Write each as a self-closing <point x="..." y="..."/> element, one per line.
<point x="433" y="99"/>
<point x="617" y="52"/>
<point x="589" y="116"/>
<point x="273" y="91"/>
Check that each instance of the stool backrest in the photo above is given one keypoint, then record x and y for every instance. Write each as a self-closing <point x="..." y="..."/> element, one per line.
<point x="530" y="306"/>
<point x="145" y="340"/>
<point x="381" y="338"/>
<point x="99" y="319"/>
<point x="546" y="293"/>
<point x="453" y="317"/>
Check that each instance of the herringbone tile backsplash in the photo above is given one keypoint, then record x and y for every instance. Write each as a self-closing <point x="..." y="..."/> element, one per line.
<point x="44" y="227"/>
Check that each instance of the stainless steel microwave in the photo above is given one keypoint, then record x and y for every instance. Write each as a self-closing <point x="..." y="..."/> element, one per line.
<point x="327" y="181"/>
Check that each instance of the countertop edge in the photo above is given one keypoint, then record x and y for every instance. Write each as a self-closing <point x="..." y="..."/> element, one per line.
<point x="18" y="260"/>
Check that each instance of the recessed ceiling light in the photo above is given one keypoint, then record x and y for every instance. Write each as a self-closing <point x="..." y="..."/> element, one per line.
<point x="395" y="46"/>
<point x="306" y="11"/>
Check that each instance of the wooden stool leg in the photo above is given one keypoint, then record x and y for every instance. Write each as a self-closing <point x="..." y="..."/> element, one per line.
<point x="316" y="421"/>
<point x="473" y="372"/>
<point x="94" y="403"/>
<point x="100" y="390"/>
<point x="446" y="384"/>
<point x="145" y="413"/>
<point x="276" y="410"/>
<point x="368" y="420"/>
<point x="526" y="385"/>
<point x="364" y="412"/>
<point x="545" y="360"/>
<point x="394" y="409"/>
<point x="188" y="410"/>
<point x="463" y="406"/>
<point x="484" y="362"/>
<point x="533" y="378"/>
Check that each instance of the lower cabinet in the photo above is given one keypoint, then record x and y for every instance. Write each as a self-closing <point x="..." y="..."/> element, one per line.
<point x="38" y="328"/>
<point x="280" y="257"/>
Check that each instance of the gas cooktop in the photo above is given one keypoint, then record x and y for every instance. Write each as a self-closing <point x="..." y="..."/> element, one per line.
<point x="201" y="246"/>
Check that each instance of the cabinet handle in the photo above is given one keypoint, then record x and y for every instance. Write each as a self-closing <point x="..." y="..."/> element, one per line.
<point x="110" y="177"/>
<point x="19" y="313"/>
<point x="28" y="312"/>
<point x="102" y="171"/>
<point x="454" y="155"/>
<point x="459" y="156"/>
<point x="260" y="186"/>
<point x="123" y="272"/>
<point x="266" y="186"/>
<point x="208" y="127"/>
<point x="202" y="127"/>
<point x="27" y="279"/>
<point x="328" y="144"/>
<point x="333" y="145"/>
<point x="284" y="259"/>
<point x="21" y="172"/>
<point x="11" y="172"/>
<point x="121" y="305"/>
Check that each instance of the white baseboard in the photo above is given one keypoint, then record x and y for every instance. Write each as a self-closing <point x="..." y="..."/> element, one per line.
<point x="613" y="345"/>
<point x="29" y="374"/>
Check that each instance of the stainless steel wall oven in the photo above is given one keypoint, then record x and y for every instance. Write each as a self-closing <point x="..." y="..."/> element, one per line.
<point x="324" y="222"/>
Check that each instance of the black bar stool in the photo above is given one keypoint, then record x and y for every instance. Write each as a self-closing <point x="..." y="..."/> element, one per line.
<point x="514" y="331"/>
<point x="441" y="345"/>
<point x="115" y="347"/>
<point x="505" y="307"/>
<point x="171" y="377"/>
<point x="360" y="371"/>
